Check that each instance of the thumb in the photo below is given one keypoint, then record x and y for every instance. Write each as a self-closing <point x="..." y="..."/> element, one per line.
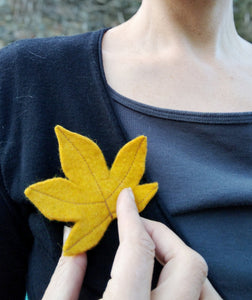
<point x="68" y="276"/>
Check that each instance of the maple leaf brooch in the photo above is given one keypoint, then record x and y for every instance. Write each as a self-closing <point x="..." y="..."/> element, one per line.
<point x="87" y="196"/>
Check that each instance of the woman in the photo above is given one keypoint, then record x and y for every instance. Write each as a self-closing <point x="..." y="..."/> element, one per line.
<point x="176" y="72"/>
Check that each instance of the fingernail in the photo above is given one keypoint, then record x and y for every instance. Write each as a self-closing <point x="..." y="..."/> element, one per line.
<point x="131" y="194"/>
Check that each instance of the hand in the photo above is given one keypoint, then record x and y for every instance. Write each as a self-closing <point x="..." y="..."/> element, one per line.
<point x="184" y="273"/>
<point x="68" y="276"/>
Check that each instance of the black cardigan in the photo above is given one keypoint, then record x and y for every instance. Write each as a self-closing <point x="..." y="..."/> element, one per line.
<point x="44" y="82"/>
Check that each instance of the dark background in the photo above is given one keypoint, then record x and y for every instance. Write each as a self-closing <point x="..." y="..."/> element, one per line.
<point x="42" y="18"/>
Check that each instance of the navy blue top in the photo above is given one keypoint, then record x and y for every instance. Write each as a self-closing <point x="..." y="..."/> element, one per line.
<point x="203" y="163"/>
<point x="205" y="160"/>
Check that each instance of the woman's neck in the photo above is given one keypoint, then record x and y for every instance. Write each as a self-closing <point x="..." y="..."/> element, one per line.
<point x="203" y="28"/>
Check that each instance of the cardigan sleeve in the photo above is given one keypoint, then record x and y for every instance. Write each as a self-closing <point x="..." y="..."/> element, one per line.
<point x="15" y="242"/>
<point x="15" y="236"/>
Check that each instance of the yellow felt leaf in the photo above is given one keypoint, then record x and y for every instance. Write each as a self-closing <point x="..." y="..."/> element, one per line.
<point x="87" y="196"/>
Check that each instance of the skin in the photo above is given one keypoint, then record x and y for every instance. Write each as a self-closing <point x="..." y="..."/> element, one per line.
<point x="184" y="55"/>
<point x="184" y="273"/>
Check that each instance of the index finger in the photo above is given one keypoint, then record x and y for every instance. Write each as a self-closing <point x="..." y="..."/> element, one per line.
<point x="133" y="265"/>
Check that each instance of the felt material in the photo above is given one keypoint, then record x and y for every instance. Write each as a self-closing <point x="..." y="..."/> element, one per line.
<point x="87" y="197"/>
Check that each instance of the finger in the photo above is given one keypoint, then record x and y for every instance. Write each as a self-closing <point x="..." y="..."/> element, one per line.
<point x="133" y="265"/>
<point x="66" y="233"/>
<point x="184" y="271"/>
<point x="128" y="217"/>
<point x="68" y="276"/>
<point x="208" y="292"/>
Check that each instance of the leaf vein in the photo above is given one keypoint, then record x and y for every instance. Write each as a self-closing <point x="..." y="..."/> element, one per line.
<point x="99" y="188"/>
<point x="147" y="195"/>
<point x="51" y="196"/>
<point x="86" y="234"/>
<point x="121" y="182"/>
